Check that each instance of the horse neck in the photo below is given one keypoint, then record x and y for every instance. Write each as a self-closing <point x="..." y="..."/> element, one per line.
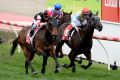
<point x="45" y="35"/>
<point x="88" y="31"/>
<point x="61" y="21"/>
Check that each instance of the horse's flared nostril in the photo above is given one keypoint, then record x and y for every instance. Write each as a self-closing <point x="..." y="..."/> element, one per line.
<point x="100" y="28"/>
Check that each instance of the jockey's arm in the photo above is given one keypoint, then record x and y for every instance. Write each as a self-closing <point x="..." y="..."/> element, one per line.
<point x="38" y="20"/>
<point x="60" y="15"/>
<point x="39" y="23"/>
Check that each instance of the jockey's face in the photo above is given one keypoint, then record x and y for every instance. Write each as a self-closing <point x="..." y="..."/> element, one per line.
<point x="86" y="16"/>
<point x="56" y="11"/>
<point x="46" y="17"/>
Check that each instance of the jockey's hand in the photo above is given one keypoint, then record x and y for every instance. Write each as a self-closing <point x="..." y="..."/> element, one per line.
<point x="45" y="23"/>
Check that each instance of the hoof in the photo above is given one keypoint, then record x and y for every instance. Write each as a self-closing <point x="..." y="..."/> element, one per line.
<point x="73" y="70"/>
<point x="27" y="73"/>
<point x="83" y="66"/>
<point x="59" y="68"/>
<point x="80" y="62"/>
<point x="43" y="71"/>
<point x="56" y="71"/>
<point x="34" y="73"/>
<point x="65" y="65"/>
<point x="60" y="56"/>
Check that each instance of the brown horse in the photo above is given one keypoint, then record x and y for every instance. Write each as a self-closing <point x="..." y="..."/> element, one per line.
<point x="65" y="18"/>
<point x="81" y="45"/>
<point x="43" y="44"/>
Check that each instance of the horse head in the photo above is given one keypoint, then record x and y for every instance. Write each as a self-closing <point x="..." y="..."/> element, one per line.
<point x="65" y="18"/>
<point x="94" y="21"/>
<point x="52" y="26"/>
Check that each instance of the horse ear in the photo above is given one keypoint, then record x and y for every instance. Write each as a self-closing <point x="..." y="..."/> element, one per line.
<point x="91" y="13"/>
<point x="63" y="12"/>
<point x="97" y="12"/>
<point x="70" y="13"/>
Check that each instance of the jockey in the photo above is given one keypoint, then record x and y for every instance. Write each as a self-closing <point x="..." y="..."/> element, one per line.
<point x="40" y="19"/>
<point x="77" y="21"/>
<point x="56" y="11"/>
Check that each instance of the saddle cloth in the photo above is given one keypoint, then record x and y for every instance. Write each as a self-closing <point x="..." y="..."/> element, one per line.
<point x="29" y="39"/>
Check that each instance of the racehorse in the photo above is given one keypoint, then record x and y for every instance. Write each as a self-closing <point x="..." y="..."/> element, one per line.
<point x="43" y="43"/>
<point x="81" y="45"/>
<point x="65" y="18"/>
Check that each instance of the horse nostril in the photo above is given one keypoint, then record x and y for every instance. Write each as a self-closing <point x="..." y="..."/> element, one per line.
<point x="100" y="29"/>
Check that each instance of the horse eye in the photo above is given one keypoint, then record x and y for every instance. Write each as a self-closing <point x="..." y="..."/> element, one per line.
<point x="93" y="19"/>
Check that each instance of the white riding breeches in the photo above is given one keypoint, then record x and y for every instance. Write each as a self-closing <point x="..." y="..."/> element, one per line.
<point x="75" y="22"/>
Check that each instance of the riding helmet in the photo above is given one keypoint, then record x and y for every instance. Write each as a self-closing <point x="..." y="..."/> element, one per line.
<point x="85" y="11"/>
<point x="57" y="6"/>
<point x="46" y="13"/>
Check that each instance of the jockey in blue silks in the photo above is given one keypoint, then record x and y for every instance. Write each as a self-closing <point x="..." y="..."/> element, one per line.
<point x="55" y="11"/>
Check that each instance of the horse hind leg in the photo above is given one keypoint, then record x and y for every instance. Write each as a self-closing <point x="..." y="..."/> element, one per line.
<point x="45" y="57"/>
<point x="88" y="56"/>
<point x="29" y="56"/>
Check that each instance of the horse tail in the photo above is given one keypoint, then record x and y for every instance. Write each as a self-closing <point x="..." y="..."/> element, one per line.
<point x="15" y="43"/>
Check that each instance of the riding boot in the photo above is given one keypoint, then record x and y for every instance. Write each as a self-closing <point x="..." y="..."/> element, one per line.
<point x="31" y="33"/>
<point x="69" y="34"/>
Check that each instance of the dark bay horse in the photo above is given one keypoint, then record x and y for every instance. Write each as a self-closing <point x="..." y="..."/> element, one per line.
<point x="65" y="18"/>
<point x="43" y="43"/>
<point x="83" y="45"/>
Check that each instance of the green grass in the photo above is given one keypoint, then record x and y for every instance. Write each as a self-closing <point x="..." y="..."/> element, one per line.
<point x="77" y="5"/>
<point x="12" y="68"/>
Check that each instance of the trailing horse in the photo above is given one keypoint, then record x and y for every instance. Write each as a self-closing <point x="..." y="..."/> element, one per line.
<point x="81" y="45"/>
<point x="43" y="43"/>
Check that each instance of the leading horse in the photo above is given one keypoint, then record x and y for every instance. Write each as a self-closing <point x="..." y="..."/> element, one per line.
<point x="43" y="43"/>
<point x="81" y="45"/>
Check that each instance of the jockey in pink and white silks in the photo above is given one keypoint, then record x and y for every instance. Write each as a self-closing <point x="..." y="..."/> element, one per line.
<point x="55" y="11"/>
<point x="39" y="20"/>
<point x="78" y="20"/>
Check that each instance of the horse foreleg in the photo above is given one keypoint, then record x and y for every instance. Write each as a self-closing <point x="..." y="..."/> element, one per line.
<point x="88" y="56"/>
<point x="44" y="63"/>
<point x="71" y="56"/>
<point x="57" y="67"/>
<point x="61" y="53"/>
<point x="59" y="49"/>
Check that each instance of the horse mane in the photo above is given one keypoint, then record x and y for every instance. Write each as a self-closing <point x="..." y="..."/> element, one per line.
<point x="65" y="18"/>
